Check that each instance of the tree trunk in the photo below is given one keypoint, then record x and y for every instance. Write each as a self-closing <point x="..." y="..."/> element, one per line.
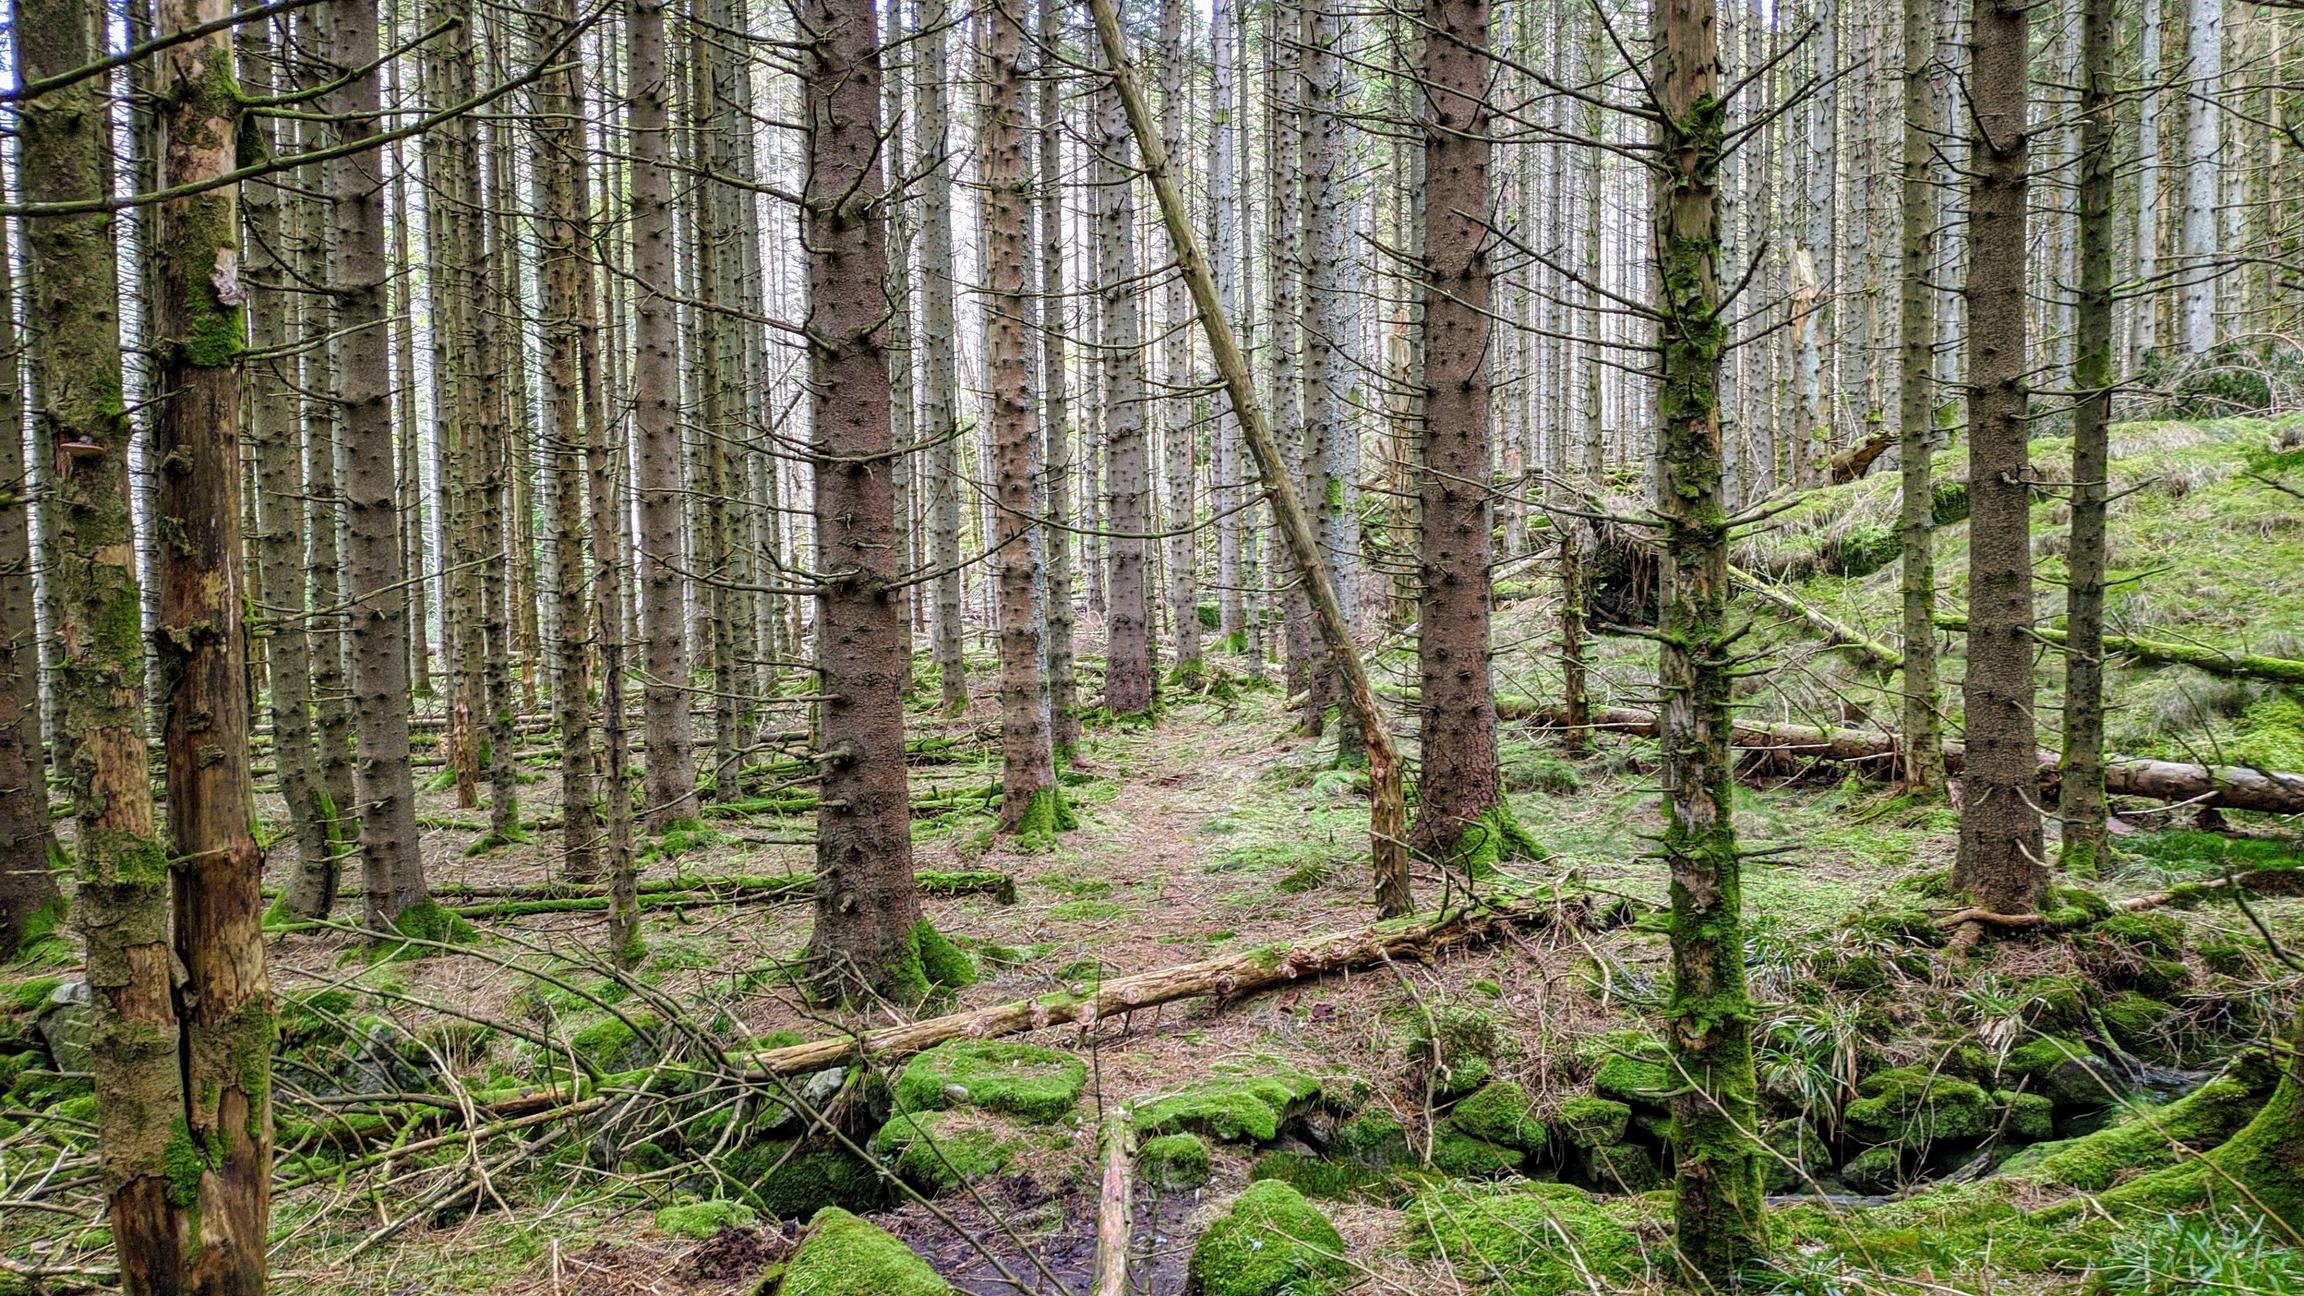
<point x="121" y="903"/>
<point x="1328" y="423"/>
<point x="1129" y="684"/>
<point x="390" y="853"/>
<point x="1461" y="816"/>
<point x="1387" y="817"/>
<point x="866" y="906"/>
<point x="2203" y="170"/>
<point x="1225" y="217"/>
<point x="2000" y="863"/>
<point x="1284" y="272"/>
<point x="940" y="411"/>
<point x="1177" y="433"/>
<point x="1717" y="1220"/>
<point x="223" y="1111"/>
<point x="2144" y="314"/>
<point x="30" y="906"/>
<point x="1063" y="688"/>
<point x="1915" y="410"/>
<point x="671" y="771"/>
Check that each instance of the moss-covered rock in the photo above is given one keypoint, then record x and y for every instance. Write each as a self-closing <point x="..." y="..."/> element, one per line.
<point x="1912" y="1107"/>
<point x="1232" y="1108"/>
<point x="1796" y="1155"/>
<point x="2134" y="951"/>
<point x="2062" y="1069"/>
<point x="1174" y="1162"/>
<point x="1462" y="1156"/>
<point x="841" y="1255"/>
<point x="614" y="1044"/>
<point x="1021" y="1080"/>
<point x="2054" y="1004"/>
<point x="1335" y="1179"/>
<point x="1875" y="1170"/>
<point x="2026" y="1117"/>
<point x="1620" y="1168"/>
<point x="794" y="1180"/>
<point x="1272" y="1243"/>
<point x="938" y="1152"/>
<point x="1533" y="1239"/>
<point x="1590" y="1121"/>
<point x="2150" y="1137"/>
<point x="1455" y="1045"/>
<point x="1502" y="1113"/>
<point x="1374" y="1138"/>
<point x="1632" y="1066"/>
<point x="700" y="1220"/>
<point x="2139" y="1023"/>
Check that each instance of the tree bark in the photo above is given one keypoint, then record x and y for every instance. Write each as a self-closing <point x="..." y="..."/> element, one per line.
<point x="1130" y="686"/>
<point x="1329" y="429"/>
<point x="30" y="905"/>
<point x="1922" y="698"/>
<point x="1718" y="1224"/>
<point x="1177" y="433"/>
<point x="866" y="905"/>
<point x="2000" y="864"/>
<point x="1226" y="217"/>
<point x="1063" y="687"/>
<point x="2203" y="171"/>
<point x="940" y="411"/>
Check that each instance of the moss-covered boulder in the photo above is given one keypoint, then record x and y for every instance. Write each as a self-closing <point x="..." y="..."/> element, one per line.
<point x="1273" y="1243"/>
<point x="1021" y="1080"/>
<point x="1336" y="1179"/>
<point x="1455" y="1045"/>
<point x="1462" y="1156"/>
<point x="1620" y="1168"/>
<point x="1232" y="1108"/>
<point x="2054" y="1004"/>
<point x="1501" y="1112"/>
<point x="2062" y="1069"/>
<point x="792" y="1179"/>
<point x="1632" y="1066"/>
<point x="2139" y="1023"/>
<point x="938" y="1152"/>
<point x="2026" y="1117"/>
<point x="2134" y="951"/>
<point x="1175" y="1162"/>
<point x="1531" y="1239"/>
<point x="1912" y="1107"/>
<point x="617" y="1043"/>
<point x="1375" y="1138"/>
<point x="700" y="1220"/>
<point x="841" y="1255"/>
<point x="1590" y="1121"/>
<point x="2150" y="1137"/>
<point x="1876" y="1170"/>
<point x="1795" y="1155"/>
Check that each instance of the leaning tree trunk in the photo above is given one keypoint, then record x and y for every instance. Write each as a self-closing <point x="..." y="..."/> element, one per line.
<point x="389" y="849"/>
<point x="671" y="769"/>
<point x="866" y="905"/>
<point x="30" y="905"/>
<point x="2080" y="799"/>
<point x="1387" y="825"/>
<point x="1029" y="806"/>
<point x="1708" y="1010"/>
<point x="1129" y="683"/>
<point x="121" y="904"/>
<point x="1461" y="815"/>
<point x="2000" y="862"/>
<point x="1063" y="687"/>
<point x="223" y="1113"/>
<point x="1915" y="410"/>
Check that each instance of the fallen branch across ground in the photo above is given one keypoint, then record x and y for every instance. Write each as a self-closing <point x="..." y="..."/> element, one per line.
<point x="1116" y="1205"/>
<point x="1418" y="936"/>
<point x="515" y="901"/>
<point x="2159" y="652"/>
<point x="1839" y="635"/>
<point x="2230" y="787"/>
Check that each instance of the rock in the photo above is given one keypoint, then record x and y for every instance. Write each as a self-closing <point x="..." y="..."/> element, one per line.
<point x="2063" y="1070"/>
<point x="1021" y="1080"/>
<point x="1621" y="1168"/>
<point x="1174" y="1162"/>
<point x="841" y="1255"/>
<point x="700" y="1220"/>
<point x="1233" y="1108"/>
<point x="1875" y="1170"/>
<point x="1912" y="1107"/>
<point x="1502" y="1113"/>
<point x="1272" y="1242"/>
<point x="1592" y="1121"/>
<point x="65" y="1024"/>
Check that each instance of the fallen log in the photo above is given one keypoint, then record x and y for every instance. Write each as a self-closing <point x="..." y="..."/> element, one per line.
<point x="1871" y="652"/>
<point x="2275" y="880"/>
<point x="2230" y="787"/>
<point x="1418" y="936"/>
<point x="675" y="893"/>
<point x="1116" y="1205"/>
<point x="2160" y="652"/>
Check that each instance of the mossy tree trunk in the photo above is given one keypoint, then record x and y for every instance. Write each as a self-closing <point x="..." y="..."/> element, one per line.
<point x="866" y="903"/>
<point x="2080" y="797"/>
<point x="2000" y="863"/>
<point x="1708" y="1010"/>
<point x="1461" y="813"/>
<point x="1915" y="410"/>
<point x="30" y="906"/>
<point x="220" y="1166"/>
<point x="121" y="904"/>
<point x="1028" y="774"/>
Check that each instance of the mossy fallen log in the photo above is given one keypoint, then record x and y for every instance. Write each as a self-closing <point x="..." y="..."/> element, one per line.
<point x="2230" y="787"/>
<point x="514" y="901"/>
<point x="1417" y="936"/>
<point x="2160" y="652"/>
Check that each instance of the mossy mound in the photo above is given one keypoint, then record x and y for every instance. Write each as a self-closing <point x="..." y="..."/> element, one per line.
<point x="1461" y="1156"/>
<point x="789" y="1179"/>
<point x="938" y="1152"/>
<point x="1375" y="1138"/>
<point x="1175" y="1162"/>
<point x="1273" y="1243"/>
<point x="1590" y="1121"/>
<point x="1912" y="1107"/>
<point x="1501" y="1112"/>
<point x="700" y="1220"/>
<point x="841" y="1255"/>
<point x="1876" y="1170"/>
<point x="1534" y="1239"/>
<point x="1232" y="1109"/>
<point x="2149" y="1137"/>
<point x="1336" y="1180"/>
<point x="2134" y="951"/>
<point x="1620" y="1168"/>
<point x="2063" y="1070"/>
<point x="1021" y="1080"/>
<point x="615" y="1044"/>
<point x="934" y="963"/>
<point x="1455" y="1044"/>
<point x="2139" y="1024"/>
<point x="1632" y="1066"/>
<point x="1796" y="1154"/>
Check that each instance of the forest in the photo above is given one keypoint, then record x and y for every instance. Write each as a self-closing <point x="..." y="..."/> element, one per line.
<point x="1106" y="647"/>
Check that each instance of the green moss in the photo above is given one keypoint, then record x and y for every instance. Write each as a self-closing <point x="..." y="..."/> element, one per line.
<point x="1272" y="1243"/>
<point x="1374" y="1138"/>
<point x="1502" y="1113"/>
<point x="841" y="1255"/>
<point x="2149" y="1137"/>
<point x="1174" y="1162"/>
<point x="1589" y="1121"/>
<point x="183" y="1163"/>
<point x="945" y="965"/>
<point x="939" y="1152"/>
<point x="2029" y="1117"/>
<point x="1021" y="1080"/>
<point x="1325" y="1178"/>
<point x="1535" y="1239"/>
<point x="425" y="921"/>
<point x="1491" y="841"/>
<point x="2062" y="1069"/>
<point x="1087" y="910"/>
<point x="1912" y="1107"/>
<point x="1621" y="1168"/>
<point x="1232" y="1109"/>
<point x="704" y="1219"/>
<point x="1876" y="1170"/>
<point x="1046" y="816"/>
<point x="613" y="1045"/>
<point x="791" y="1180"/>
<point x="1797" y="1155"/>
<point x="1455" y="1043"/>
<point x="29" y="995"/>
<point x="2056" y="1003"/>
<point x="1462" y="1156"/>
<point x="2138" y="1023"/>
<point x="1637" y="1079"/>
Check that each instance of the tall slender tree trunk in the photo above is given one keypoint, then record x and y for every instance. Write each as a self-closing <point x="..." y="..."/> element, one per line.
<point x="2000" y="863"/>
<point x="1718" y="1224"/>
<point x="30" y="905"/>
<point x="1916" y="408"/>
<point x="1177" y="433"/>
<point x="223" y="1109"/>
<point x="389" y="848"/>
<point x="1129" y="676"/>
<point x="1226" y="214"/>
<point x="903" y="360"/>
<point x="2080" y="799"/>
<point x="1056" y="410"/>
<point x="1284" y="271"/>
<point x="2145" y="312"/>
<point x="1461" y="816"/>
<point x="940" y="411"/>
<point x="866" y="906"/>
<point x="2203" y="170"/>
<point x="325" y="539"/>
<point x="671" y="771"/>
<point x="1328" y="422"/>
